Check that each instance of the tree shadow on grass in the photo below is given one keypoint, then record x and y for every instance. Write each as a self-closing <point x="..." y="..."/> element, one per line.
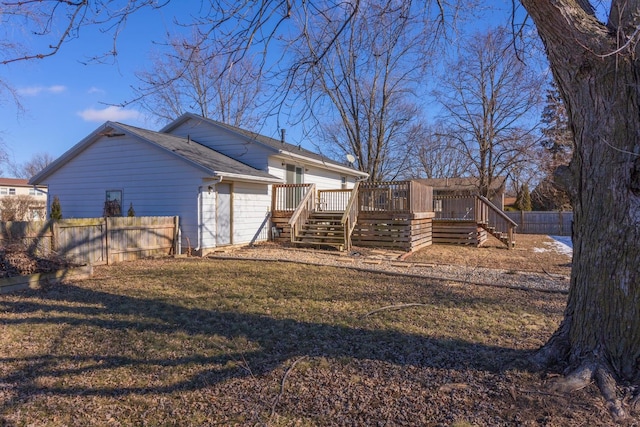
<point x="273" y="342"/>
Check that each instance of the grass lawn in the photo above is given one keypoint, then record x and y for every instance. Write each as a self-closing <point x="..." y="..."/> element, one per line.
<point x="533" y="252"/>
<point x="193" y="342"/>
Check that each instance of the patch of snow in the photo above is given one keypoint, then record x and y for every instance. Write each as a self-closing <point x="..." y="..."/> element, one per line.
<point x="562" y="244"/>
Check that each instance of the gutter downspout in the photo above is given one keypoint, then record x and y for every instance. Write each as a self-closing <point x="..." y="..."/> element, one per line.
<point x="200" y="212"/>
<point x="216" y="181"/>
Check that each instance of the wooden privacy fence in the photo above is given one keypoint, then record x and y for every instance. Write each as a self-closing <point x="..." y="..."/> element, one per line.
<point x="543" y="222"/>
<point x="97" y="240"/>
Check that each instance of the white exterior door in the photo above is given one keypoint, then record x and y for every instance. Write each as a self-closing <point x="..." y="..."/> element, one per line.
<point x="223" y="215"/>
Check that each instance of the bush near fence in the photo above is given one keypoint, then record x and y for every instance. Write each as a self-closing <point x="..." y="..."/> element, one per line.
<point x="542" y="222"/>
<point x="96" y="240"/>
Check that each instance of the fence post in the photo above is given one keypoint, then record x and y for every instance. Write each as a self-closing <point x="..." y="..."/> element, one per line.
<point x="176" y="235"/>
<point x="55" y="229"/>
<point x="106" y="238"/>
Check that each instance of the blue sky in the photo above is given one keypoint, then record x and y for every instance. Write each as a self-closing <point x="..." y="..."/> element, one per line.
<point x="65" y="100"/>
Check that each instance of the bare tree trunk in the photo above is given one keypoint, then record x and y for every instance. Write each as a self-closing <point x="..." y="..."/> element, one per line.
<point x="600" y="335"/>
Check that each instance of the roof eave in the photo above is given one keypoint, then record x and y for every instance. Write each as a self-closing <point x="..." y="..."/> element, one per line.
<point x="247" y="178"/>
<point x="327" y="164"/>
<point x="177" y="122"/>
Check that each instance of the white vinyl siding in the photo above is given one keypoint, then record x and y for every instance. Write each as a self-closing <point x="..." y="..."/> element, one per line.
<point x="155" y="181"/>
<point x="251" y="205"/>
<point x="323" y="178"/>
<point x="225" y="142"/>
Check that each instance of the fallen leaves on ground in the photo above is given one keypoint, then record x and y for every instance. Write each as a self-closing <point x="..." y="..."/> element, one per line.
<point x="197" y="342"/>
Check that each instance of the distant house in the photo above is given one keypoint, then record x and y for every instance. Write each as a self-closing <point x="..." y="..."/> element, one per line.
<point x="467" y="186"/>
<point x="20" y="201"/>
<point x="216" y="177"/>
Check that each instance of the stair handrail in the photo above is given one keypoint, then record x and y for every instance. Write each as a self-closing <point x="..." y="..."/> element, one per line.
<point x="302" y="212"/>
<point x="511" y="224"/>
<point x="350" y="215"/>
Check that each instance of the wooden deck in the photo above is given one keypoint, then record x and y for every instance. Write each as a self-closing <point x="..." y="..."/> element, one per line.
<point x="455" y="216"/>
<point x="397" y="214"/>
<point x="393" y="214"/>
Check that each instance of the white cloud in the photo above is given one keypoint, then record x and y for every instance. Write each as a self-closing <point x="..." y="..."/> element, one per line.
<point x="37" y="90"/>
<point x="56" y="89"/>
<point x="94" y="89"/>
<point x="111" y="113"/>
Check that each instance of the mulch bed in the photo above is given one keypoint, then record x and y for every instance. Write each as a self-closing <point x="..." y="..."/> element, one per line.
<point x="19" y="262"/>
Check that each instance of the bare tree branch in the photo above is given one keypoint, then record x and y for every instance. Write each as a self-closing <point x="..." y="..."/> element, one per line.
<point x="489" y="100"/>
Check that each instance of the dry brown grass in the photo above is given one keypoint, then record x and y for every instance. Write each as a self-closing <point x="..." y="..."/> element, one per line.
<point x="533" y="252"/>
<point x="195" y="342"/>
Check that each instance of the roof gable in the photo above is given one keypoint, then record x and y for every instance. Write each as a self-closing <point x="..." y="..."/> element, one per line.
<point x="273" y="145"/>
<point x="208" y="160"/>
<point x="206" y="157"/>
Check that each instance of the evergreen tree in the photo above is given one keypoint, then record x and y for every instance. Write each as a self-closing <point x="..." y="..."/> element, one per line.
<point x="523" y="198"/>
<point x="56" y="210"/>
<point x="131" y="211"/>
<point x="557" y="144"/>
<point x="558" y="139"/>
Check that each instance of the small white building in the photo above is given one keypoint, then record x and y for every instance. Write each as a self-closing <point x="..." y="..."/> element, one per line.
<point x="215" y="177"/>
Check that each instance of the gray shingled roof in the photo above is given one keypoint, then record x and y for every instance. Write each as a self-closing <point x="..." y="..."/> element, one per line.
<point x="198" y="153"/>
<point x="273" y="143"/>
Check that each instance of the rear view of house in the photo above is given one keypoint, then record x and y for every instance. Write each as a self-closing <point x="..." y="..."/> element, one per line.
<point x="218" y="179"/>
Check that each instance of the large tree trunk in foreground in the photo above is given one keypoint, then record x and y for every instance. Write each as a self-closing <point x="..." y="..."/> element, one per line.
<point x="599" y="338"/>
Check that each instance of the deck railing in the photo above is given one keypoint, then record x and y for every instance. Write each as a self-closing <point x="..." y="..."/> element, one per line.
<point x="475" y="208"/>
<point x="383" y="196"/>
<point x="333" y="200"/>
<point x="420" y="197"/>
<point x="287" y="197"/>
<point x="455" y="207"/>
<point x="395" y="197"/>
<point x="495" y="218"/>
<point x="302" y="212"/>
<point x="350" y="216"/>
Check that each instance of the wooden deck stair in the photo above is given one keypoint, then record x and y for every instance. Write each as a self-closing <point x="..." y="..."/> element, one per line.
<point x="468" y="219"/>
<point x="322" y="228"/>
<point x="500" y="235"/>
